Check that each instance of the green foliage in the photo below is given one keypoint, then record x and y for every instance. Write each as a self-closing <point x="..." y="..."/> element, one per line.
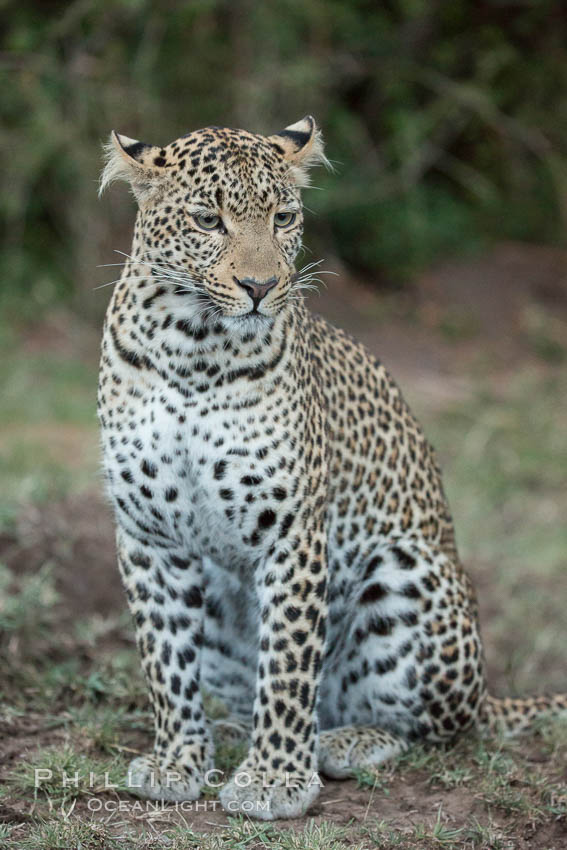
<point x="445" y="121"/>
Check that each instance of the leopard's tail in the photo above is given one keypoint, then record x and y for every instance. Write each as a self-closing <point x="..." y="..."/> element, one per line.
<point x="513" y="716"/>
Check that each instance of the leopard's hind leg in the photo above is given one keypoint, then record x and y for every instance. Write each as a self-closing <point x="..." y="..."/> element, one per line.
<point x="404" y="664"/>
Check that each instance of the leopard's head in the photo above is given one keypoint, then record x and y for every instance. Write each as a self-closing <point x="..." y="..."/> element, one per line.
<point x="220" y="218"/>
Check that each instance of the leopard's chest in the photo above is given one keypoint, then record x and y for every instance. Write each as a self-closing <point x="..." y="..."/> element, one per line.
<point x="215" y="475"/>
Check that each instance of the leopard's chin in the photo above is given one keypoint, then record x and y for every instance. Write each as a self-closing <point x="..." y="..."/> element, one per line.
<point x="248" y="322"/>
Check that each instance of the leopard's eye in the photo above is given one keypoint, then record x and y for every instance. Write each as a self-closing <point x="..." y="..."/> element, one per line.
<point x="207" y="221"/>
<point x="284" y="219"/>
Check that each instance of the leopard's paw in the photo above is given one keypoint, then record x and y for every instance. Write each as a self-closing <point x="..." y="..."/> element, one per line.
<point x="252" y="792"/>
<point x="161" y="779"/>
<point x="344" y="750"/>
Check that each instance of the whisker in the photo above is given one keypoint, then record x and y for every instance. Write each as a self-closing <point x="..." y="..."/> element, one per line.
<point x="118" y="279"/>
<point x="167" y="263"/>
<point x="321" y="271"/>
<point x="110" y="283"/>
<point x="306" y="289"/>
<point x="310" y="266"/>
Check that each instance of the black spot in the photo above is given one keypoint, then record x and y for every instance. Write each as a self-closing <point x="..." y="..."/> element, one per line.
<point x="436" y="709"/>
<point x="219" y="470"/>
<point x="251" y="480"/>
<point x="286" y="524"/>
<point x="138" y="559"/>
<point x="299" y="637"/>
<point x="148" y="302"/>
<point x="129" y="356"/>
<point x="406" y="562"/>
<point x="411" y="678"/>
<point x="182" y="563"/>
<point x="385" y="665"/>
<point x="373" y="593"/>
<point x="382" y="626"/>
<point x="200" y="334"/>
<point x="186" y="327"/>
<point x="149" y="469"/>
<point x="372" y="565"/>
<point x="304" y="695"/>
<point x="157" y="620"/>
<point x="275" y="740"/>
<point x="193" y="597"/>
<point x="409" y="618"/>
<point x="411" y="591"/>
<point x="266" y="519"/>
<point x="292" y="613"/>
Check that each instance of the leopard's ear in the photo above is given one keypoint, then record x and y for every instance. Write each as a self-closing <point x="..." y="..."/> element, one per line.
<point x="139" y="164"/>
<point x="301" y="144"/>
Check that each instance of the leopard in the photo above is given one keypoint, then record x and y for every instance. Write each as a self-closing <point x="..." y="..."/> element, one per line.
<point x="282" y="532"/>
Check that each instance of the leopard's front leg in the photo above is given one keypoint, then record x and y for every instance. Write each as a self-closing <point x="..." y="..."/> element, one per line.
<point x="164" y="591"/>
<point x="278" y="779"/>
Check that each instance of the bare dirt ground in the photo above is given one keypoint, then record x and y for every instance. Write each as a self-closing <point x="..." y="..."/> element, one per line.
<point x="70" y="676"/>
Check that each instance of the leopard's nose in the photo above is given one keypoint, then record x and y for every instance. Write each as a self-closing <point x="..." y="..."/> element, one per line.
<point x="256" y="290"/>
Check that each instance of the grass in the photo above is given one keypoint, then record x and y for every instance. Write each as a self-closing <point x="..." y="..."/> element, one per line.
<point x="505" y="456"/>
<point x="372" y="778"/>
<point x="504" y="453"/>
<point x="48" y="442"/>
<point x="27" y="610"/>
<point x="62" y="833"/>
<point x="62" y="773"/>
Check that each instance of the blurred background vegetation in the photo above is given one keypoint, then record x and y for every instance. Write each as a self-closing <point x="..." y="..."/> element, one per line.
<point x="447" y="121"/>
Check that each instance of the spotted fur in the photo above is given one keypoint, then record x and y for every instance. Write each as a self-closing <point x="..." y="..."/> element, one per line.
<point x="283" y="535"/>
